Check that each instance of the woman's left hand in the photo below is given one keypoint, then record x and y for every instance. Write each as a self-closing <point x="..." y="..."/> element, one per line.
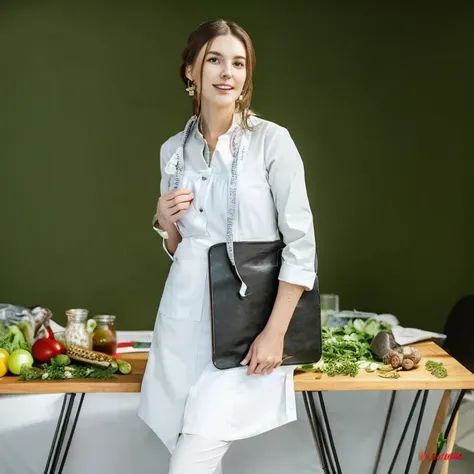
<point x="265" y="353"/>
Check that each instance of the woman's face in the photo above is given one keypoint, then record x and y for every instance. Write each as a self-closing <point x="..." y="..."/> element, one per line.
<point x="224" y="72"/>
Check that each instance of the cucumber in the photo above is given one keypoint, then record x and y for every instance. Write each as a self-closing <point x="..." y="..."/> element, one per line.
<point x="124" y="367"/>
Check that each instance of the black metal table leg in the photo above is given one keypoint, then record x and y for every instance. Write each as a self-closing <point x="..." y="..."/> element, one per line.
<point x="327" y="453"/>
<point x="62" y="433"/>
<point x="328" y="430"/>
<point x="316" y="430"/>
<point x="405" y="429"/>
<point x="71" y="434"/>
<point x="448" y="428"/>
<point x="322" y="444"/>
<point x="322" y="435"/>
<point x="385" y="430"/>
<point x="417" y="431"/>
<point x="323" y="450"/>
<point x="56" y="432"/>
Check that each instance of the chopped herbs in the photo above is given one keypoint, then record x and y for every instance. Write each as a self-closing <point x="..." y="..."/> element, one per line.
<point x="436" y="368"/>
<point x="344" y="367"/>
<point x="63" y="372"/>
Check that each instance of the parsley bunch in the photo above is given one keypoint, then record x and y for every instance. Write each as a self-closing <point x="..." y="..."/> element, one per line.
<point x="436" y="368"/>
<point x="346" y="349"/>
<point x="60" y="368"/>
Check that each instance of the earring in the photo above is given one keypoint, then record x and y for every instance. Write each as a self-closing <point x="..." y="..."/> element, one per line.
<point x="241" y="96"/>
<point x="190" y="89"/>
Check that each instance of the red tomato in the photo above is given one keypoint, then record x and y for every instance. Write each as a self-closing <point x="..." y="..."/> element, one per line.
<point x="44" y="349"/>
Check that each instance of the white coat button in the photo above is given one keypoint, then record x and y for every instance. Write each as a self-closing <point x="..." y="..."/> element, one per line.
<point x="204" y="178"/>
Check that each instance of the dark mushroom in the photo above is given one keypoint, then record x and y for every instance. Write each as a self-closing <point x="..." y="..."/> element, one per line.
<point x="382" y="343"/>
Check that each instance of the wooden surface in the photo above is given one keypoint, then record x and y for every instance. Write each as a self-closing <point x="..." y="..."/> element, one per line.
<point x="416" y="379"/>
<point x="458" y="378"/>
<point x="122" y="384"/>
<point x="450" y="444"/>
<point x="438" y="423"/>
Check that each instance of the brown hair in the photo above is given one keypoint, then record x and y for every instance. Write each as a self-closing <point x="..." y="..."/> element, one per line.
<point x="204" y="34"/>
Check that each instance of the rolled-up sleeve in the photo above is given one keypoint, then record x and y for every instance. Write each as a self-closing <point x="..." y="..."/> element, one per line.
<point x="164" y="156"/>
<point x="295" y="220"/>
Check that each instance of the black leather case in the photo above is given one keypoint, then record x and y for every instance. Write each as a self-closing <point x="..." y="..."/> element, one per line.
<point x="237" y="321"/>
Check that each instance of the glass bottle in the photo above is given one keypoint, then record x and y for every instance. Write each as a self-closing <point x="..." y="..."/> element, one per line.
<point x="329" y="304"/>
<point x="105" y="334"/>
<point x="76" y="329"/>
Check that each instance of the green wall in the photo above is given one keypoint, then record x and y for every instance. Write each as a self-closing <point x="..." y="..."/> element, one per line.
<point x="377" y="97"/>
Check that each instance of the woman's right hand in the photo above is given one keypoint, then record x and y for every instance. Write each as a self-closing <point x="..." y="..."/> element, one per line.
<point x="171" y="206"/>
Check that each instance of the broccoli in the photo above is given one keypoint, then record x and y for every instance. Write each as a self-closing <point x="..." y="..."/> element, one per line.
<point x="60" y="360"/>
<point x="11" y="338"/>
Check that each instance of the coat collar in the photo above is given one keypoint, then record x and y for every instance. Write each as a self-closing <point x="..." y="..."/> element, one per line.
<point x="235" y="123"/>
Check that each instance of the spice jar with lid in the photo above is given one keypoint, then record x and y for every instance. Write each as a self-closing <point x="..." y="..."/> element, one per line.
<point x="76" y="330"/>
<point x="105" y="334"/>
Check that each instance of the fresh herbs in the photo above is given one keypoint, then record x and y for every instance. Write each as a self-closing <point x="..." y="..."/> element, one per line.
<point x="60" y="368"/>
<point x="436" y="368"/>
<point x="344" y="367"/>
<point x="347" y="349"/>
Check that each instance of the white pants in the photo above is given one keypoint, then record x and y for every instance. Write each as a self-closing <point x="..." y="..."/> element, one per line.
<point x="196" y="455"/>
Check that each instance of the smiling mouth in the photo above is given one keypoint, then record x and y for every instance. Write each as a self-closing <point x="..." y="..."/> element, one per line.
<point x="223" y="87"/>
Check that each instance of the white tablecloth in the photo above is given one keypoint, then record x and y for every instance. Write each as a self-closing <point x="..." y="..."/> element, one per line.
<point x="111" y="439"/>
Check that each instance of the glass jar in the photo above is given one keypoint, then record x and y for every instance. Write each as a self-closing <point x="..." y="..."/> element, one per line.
<point x="105" y="334"/>
<point x="329" y="306"/>
<point x="76" y="329"/>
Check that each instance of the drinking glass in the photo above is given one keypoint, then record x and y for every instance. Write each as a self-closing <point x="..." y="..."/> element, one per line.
<point x="329" y="306"/>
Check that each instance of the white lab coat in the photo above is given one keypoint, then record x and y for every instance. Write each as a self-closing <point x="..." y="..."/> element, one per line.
<point x="182" y="391"/>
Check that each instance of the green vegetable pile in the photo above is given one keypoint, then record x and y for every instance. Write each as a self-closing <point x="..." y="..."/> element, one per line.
<point x="436" y="368"/>
<point x="60" y="368"/>
<point x="12" y="338"/>
<point x="347" y="349"/>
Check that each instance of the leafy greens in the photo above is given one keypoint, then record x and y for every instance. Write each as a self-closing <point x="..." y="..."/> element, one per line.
<point x="346" y="349"/>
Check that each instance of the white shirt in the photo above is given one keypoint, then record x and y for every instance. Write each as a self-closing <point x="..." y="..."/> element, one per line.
<point x="182" y="391"/>
<point x="271" y="194"/>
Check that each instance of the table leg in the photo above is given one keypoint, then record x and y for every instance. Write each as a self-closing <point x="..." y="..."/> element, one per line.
<point x="56" y="456"/>
<point x="385" y="429"/>
<point x="324" y="450"/>
<point x="450" y="443"/>
<point x="319" y="435"/>
<point x="448" y="428"/>
<point x="328" y="430"/>
<point x="437" y="427"/>
<point x="417" y="431"/>
<point x="316" y="430"/>
<point x="55" y="437"/>
<point x="405" y="429"/>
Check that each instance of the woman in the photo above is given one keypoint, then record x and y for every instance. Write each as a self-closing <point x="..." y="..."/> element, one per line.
<point x="196" y="409"/>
